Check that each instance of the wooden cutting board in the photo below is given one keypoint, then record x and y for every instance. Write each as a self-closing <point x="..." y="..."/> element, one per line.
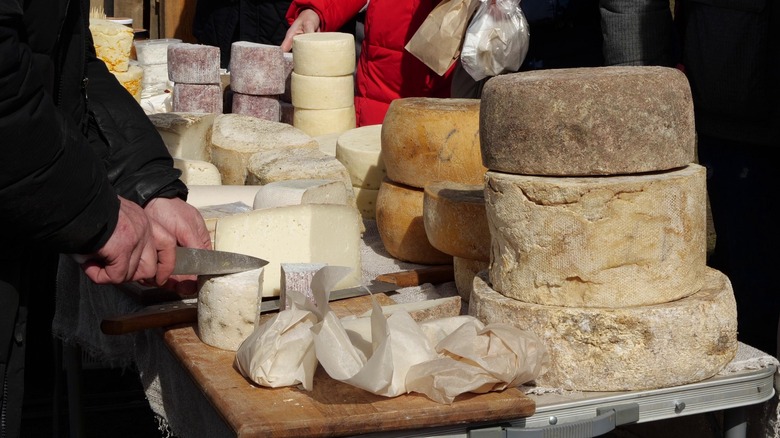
<point x="332" y="408"/>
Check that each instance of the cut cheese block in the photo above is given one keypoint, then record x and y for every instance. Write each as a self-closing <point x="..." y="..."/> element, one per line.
<point x="195" y="172"/>
<point x="455" y="219"/>
<point x="310" y="233"/>
<point x="262" y="107"/>
<point x="322" y="92"/>
<point x="399" y="220"/>
<point x="113" y="43"/>
<point x="588" y="121"/>
<point x="425" y="310"/>
<point x="187" y="135"/>
<point x="324" y="54"/>
<point x="197" y="98"/>
<point x="301" y="191"/>
<point x="431" y="139"/>
<point x="256" y="69"/>
<point x="203" y="195"/>
<point x="228" y="307"/>
<point x="193" y="64"/>
<point x="319" y="122"/>
<point x="365" y="199"/>
<point x="360" y="150"/>
<point x="296" y="278"/>
<point x="465" y="270"/>
<point x="613" y="241"/>
<point x="624" y="349"/>
<point x="236" y="137"/>
<point x="131" y="80"/>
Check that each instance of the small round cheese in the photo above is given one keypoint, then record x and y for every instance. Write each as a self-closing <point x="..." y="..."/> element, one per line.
<point x="360" y="150"/>
<point x="324" y="54"/>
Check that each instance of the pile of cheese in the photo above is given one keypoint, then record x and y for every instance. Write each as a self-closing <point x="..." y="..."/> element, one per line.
<point x="597" y="224"/>
<point x="113" y="43"/>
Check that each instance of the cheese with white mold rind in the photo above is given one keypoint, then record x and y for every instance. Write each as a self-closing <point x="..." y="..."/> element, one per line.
<point x="310" y="233"/>
<point x="236" y="137"/>
<point x="319" y="122"/>
<point x="430" y="139"/>
<point x="455" y="219"/>
<point x="186" y="135"/>
<point x="613" y="241"/>
<point x="197" y="98"/>
<point x="360" y="150"/>
<point x="228" y="307"/>
<point x="324" y="54"/>
<point x="262" y="107"/>
<point x="196" y="172"/>
<point x="624" y="349"/>
<point x="322" y="92"/>
<point x="301" y="191"/>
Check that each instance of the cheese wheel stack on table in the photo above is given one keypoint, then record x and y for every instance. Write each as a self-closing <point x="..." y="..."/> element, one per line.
<point x="194" y="71"/>
<point x="257" y="78"/>
<point x="152" y="57"/>
<point x="360" y="151"/>
<point x="424" y="140"/>
<point x="598" y="233"/>
<point x="113" y="43"/>
<point x="322" y="83"/>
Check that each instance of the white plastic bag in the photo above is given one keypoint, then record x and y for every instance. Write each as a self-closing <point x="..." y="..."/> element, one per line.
<point x="496" y="40"/>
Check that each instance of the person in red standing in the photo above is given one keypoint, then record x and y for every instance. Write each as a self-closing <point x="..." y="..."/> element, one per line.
<point x="385" y="71"/>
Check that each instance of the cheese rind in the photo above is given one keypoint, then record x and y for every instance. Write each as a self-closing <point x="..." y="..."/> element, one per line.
<point x="228" y="307"/>
<point x="256" y="69"/>
<point x="186" y="135"/>
<point x="455" y="219"/>
<point x="399" y="220"/>
<point x="588" y="121"/>
<point x="319" y="122"/>
<point x="322" y="92"/>
<point x="324" y="54"/>
<point x="310" y="233"/>
<point x="301" y="191"/>
<point x="193" y="64"/>
<point x="196" y="172"/>
<point x="360" y="150"/>
<point x="197" y="98"/>
<point x="465" y="270"/>
<point x="624" y="349"/>
<point x="431" y="139"/>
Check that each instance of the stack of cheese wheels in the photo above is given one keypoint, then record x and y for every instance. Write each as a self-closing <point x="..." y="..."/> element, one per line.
<point x="194" y="71"/>
<point x="424" y="140"/>
<point x="113" y="44"/>
<point x="360" y="151"/>
<point x="257" y="79"/>
<point x="322" y="84"/>
<point x="597" y="223"/>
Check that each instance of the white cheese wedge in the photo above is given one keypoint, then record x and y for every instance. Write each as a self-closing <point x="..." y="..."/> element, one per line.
<point x="324" y="54"/>
<point x="360" y="150"/>
<point x="228" y="307"/>
<point x="301" y="191"/>
<point x="186" y="135"/>
<point x="629" y="348"/>
<point x="322" y="92"/>
<point x="310" y="233"/>
<point x="196" y="172"/>
<point x="613" y="241"/>
<point x="319" y="122"/>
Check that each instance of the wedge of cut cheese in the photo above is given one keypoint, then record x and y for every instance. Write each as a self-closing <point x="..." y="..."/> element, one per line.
<point x="301" y="191"/>
<point x="365" y="199"/>
<point x="310" y="233"/>
<point x="324" y="54"/>
<point x="322" y="92"/>
<point x="186" y="135"/>
<point x="455" y="219"/>
<point x="228" y="307"/>
<point x="320" y="122"/>
<point x="588" y="121"/>
<point x="236" y="137"/>
<point x="624" y="349"/>
<point x="613" y="241"/>
<point x="465" y="270"/>
<point x="431" y="139"/>
<point x="196" y="172"/>
<point x="360" y="150"/>
<point x="399" y="220"/>
<point x="204" y="195"/>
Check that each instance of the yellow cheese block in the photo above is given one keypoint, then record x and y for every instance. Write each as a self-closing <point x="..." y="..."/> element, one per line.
<point x="131" y="80"/>
<point x="113" y="43"/>
<point x="455" y="219"/>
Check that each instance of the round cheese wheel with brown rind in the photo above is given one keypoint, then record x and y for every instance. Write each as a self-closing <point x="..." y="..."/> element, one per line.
<point x="455" y="219"/>
<point x="613" y="241"/>
<point x="430" y="139"/>
<point x="464" y="271"/>
<point x="624" y="349"/>
<point x="399" y="220"/>
<point x="587" y="121"/>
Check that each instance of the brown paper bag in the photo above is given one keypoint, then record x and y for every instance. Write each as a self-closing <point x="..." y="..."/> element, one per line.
<point x="437" y="42"/>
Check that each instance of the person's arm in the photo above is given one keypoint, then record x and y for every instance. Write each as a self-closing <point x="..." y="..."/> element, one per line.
<point x="331" y="15"/>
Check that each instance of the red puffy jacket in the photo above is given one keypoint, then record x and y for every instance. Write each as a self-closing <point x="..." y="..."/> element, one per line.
<point x="385" y="71"/>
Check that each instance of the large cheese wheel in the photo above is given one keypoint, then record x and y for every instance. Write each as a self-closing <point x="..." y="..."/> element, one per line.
<point x="196" y="172"/>
<point x="186" y="135"/>
<point x="236" y="137"/>
<point x="623" y="349"/>
<point x="587" y="121"/>
<point x="322" y="92"/>
<point x="228" y="307"/>
<point x="430" y="139"/>
<point x="324" y="54"/>
<point x="360" y="150"/>
<point x="309" y="233"/>
<point x="455" y="219"/>
<point x="598" y="242"/>
<point x="320" y="122"/>
<point x="464" y="271"/>
<point x="399" y="220"/>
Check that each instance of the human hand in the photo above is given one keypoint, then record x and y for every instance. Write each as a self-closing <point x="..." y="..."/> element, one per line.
<point x="307" y="22"/>
<point x="138" y="249"/>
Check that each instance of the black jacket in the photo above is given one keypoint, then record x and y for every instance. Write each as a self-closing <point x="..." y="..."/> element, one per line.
<point x="71" y="137"/>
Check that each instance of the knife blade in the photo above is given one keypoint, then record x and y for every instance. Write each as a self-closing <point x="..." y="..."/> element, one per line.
<point x="194" y="261"/>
